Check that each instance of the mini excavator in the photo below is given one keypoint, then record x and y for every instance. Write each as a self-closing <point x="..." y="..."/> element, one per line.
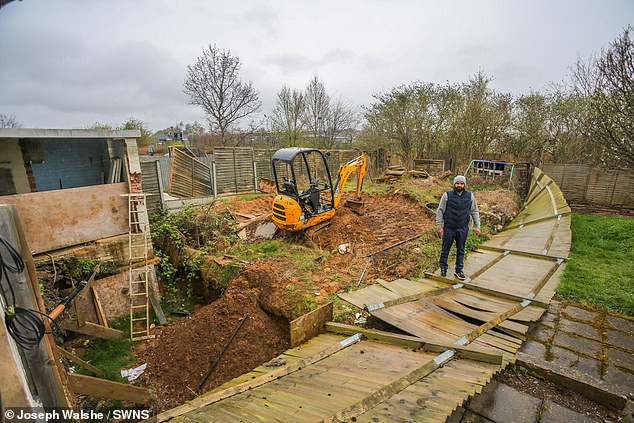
<point x="306" y="195"/>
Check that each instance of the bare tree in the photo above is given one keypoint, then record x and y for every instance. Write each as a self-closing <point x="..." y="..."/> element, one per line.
<point x="286" y="118"/>
<point x="9" y="121"/>
<point x="213" y="83"/>
<point x="340" y="117"/>
<point x="317" y="106"/>
<point x="608" y="85"/>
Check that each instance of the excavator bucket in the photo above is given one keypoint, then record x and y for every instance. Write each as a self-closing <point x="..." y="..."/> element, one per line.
<point x="357" y="206"/>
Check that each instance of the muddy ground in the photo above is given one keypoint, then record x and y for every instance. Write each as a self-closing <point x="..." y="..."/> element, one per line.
<point x="182" y="353"/>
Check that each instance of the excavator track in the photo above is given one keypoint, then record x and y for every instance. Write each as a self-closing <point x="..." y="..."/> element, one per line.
<point x="311" y="232"/>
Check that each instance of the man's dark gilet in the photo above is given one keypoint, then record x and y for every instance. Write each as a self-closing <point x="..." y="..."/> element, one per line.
<point x="458" y="209"/>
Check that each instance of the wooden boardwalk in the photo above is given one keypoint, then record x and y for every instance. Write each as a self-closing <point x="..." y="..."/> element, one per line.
<point x="460" y="335"/>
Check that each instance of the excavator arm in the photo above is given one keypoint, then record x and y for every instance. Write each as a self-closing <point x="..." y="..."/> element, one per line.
<point x="345" y="171"/>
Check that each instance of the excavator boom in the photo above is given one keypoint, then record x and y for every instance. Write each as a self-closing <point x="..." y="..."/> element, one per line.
<point x="345" y="171"/>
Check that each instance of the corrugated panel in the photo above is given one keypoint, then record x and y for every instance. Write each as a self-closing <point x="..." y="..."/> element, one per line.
<point x="189" y="177"/>
<point x="234" y="170"/>
<point x="151" y="183"/>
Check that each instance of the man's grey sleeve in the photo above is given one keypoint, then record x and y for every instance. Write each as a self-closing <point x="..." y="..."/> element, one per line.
<point x="440" y="213"/>
<point x="475" y="213"/>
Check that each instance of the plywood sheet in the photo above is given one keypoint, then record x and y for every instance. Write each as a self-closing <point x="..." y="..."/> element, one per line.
<point x="61" y="218"/>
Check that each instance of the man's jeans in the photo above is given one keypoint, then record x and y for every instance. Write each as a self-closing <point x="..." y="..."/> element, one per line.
<point x="448" y="237"/>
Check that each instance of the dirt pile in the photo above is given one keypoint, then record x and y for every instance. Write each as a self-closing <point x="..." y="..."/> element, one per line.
<point x="497" y="207"/>
<point x="180" y="356"/>
<point x="387" y="219"/>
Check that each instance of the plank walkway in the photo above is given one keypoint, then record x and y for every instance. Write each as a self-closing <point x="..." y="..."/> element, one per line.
<point x="460" y="335"/>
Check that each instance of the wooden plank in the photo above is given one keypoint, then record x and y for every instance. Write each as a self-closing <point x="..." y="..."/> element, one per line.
<point x="517" y="329"/>
<point x="310" y="325"/>
<point x="101" y="316"/>
<point x="276" y="374"/>
<point x="60" y="218"/>
<point x="156" y="305"/>
<point x="411" y="297"/>
<point x="521" y="253"/>
<point x="102" y="388"/>
<point x="469" y="352"/>
<point x="486" y="290"/>
<point x="81" y="363"/>
<point x="368" y="295"/>
<point x="488" y="265"/>
<point x="389" y="390"/>
<point x="93" y="329"/>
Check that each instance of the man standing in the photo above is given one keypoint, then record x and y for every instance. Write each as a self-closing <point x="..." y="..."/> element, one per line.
<point x="456" y="207"/>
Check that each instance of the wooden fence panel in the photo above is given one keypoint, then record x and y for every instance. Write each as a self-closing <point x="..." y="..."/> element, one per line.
<point x="234" y="170"/>
<point x="585" y="184"/>
<point x="601" y="185"/>
<point x="622" y="195"/>
<point x="263" y="163"/>
<point x="189" y="177"/>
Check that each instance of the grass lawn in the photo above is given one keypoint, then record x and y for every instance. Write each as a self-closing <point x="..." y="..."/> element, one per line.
<point x="600" y="272"/>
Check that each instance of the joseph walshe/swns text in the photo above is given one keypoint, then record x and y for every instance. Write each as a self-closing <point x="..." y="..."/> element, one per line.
<point x="17" y="414"/>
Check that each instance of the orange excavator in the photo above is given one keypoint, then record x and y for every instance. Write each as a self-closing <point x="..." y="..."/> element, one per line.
<point x="306" y="195"/>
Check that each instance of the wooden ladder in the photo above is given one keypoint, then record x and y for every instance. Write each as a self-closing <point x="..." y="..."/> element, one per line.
<point x="138" y="238"/>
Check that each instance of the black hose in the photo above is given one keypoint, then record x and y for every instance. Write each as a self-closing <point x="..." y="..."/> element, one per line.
<point x="25" y="325"/>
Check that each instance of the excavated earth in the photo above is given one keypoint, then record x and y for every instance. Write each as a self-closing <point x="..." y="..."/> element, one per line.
<point x="180" y="355"/>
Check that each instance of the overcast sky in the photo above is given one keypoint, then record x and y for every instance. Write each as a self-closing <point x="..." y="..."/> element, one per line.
<point x="71" y="63"/>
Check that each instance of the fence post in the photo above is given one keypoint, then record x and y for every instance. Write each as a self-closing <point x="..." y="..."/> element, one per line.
<point x="614" y="187"/>
<point x="585" y="191"/>
<point x="159" y="177"/>
<point x="255" y="172"/>
<point x="214" y="180"/>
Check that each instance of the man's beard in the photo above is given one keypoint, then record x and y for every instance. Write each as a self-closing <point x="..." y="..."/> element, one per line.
<point x="459" y="190"/>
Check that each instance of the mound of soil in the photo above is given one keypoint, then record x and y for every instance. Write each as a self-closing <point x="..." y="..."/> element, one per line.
<point x="180" y="355"/>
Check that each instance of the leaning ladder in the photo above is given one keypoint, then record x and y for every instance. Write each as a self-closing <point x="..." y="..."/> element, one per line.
<point x="138" y="276"/>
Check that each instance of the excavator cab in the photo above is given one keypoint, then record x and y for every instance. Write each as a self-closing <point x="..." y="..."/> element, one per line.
<point x="304" y="187"/>
<point x="306" y="195"/>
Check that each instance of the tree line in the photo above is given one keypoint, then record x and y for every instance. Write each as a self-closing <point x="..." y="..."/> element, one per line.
<point x="589" y="119"/>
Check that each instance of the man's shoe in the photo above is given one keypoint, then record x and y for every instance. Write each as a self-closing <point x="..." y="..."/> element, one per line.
<point x="460" y="275"/>
<point x="443" y="273"/>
